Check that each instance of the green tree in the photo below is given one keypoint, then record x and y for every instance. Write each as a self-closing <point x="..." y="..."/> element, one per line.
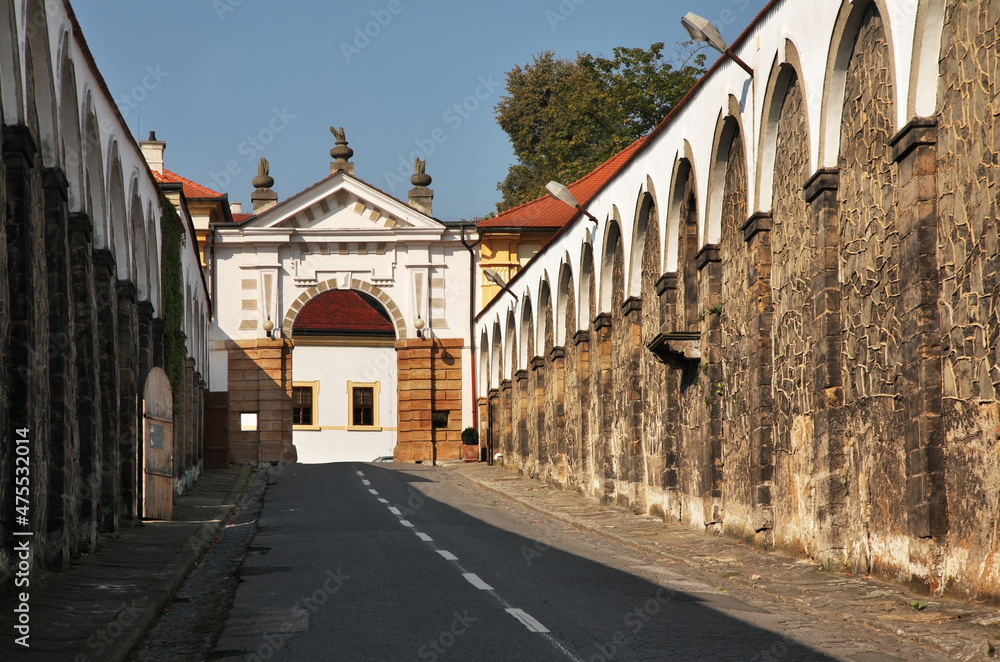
<point x="566" y="117"/>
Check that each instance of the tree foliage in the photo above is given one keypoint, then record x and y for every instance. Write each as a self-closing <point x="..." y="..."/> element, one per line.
<point x="566" y="117"/>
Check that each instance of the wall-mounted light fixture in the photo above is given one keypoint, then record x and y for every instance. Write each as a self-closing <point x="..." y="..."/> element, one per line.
<point x="419" y="326"/>
<point x="562" y="194"/>
<point x="269" y="327"/>
<point x="497" y="279"/>
<point x="701" y="29"/>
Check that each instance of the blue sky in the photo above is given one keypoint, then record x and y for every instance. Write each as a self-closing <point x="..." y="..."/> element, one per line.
<point x="224" y="82"/>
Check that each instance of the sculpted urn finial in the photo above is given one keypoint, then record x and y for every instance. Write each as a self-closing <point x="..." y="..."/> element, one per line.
<point x="420" y="176"/>
<point x="263" y="179"/>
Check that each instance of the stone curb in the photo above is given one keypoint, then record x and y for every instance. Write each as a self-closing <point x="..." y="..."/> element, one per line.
<point x="976" y="645"/>
<point x="157" y="591"/>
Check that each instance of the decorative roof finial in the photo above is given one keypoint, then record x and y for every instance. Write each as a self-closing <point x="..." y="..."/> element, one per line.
<point x="263" y="198"/>
<point x="420" y="176"/>
<point x="341" y="153"/>
<point x="420" y="197"/>
<point x="263" y="179"/>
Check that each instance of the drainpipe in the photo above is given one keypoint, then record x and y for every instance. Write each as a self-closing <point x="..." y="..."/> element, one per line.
<point x="472" y="319"/>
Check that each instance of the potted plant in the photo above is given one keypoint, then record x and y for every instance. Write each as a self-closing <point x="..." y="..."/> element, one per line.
<point x="470" y="444"/>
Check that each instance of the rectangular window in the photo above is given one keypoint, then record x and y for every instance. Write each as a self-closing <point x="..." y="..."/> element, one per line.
<point x="364" y="409"/>
<point x="304" y="402"/>
<point x="362" y="402"/>
<point x="248" y="422"/>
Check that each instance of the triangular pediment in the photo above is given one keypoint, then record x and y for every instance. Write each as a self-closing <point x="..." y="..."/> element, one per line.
<point x="342" y="203"/>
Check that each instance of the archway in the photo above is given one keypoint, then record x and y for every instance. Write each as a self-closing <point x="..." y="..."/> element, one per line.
<point x="344" y="377"/>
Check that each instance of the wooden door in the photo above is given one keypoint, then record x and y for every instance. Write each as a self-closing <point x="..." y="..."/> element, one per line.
<point x="158" y="428"/>
<point x="217" y="430"/>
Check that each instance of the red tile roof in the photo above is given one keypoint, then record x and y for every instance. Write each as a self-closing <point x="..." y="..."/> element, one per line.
<point x="192" y="190"/>
<point x="343" y="312"/>
<point x="237" y="218"/>
<point x="547" y="212"/>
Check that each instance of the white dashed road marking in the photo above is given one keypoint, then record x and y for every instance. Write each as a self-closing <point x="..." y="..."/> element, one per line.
<point x="365" y="482"/>
<point x="361" y="473"/>
<point x="474" y="579"/>
<point x="528" y="620"/>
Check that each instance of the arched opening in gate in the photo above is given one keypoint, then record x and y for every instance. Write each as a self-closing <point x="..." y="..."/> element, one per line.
<point x="344" y="391"/>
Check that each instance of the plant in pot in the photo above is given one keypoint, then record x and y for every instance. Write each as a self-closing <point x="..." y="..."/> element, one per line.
<point x="470" y="444"/>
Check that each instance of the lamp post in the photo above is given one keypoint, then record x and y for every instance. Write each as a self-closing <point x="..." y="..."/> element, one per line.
<point x="701" y="29"/>
<point x="562" y="194"/>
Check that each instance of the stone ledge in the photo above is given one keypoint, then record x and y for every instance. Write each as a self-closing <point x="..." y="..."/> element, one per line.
<point x="708" y="254"/>
<point x="759" y="222"/>
<point x="824" y="180"/>
<point x="667" y="281"/>
<point x="676" y="345"/>
<point x="631" y="306"/>
<point x="919" y="131"/>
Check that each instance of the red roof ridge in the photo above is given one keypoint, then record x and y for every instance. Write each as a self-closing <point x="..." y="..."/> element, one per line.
<point x="192" y="190"/>
<point x="556" y="214"/>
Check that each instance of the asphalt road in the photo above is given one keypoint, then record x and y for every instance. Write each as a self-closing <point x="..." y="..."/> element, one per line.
<point x="408" y="562"/>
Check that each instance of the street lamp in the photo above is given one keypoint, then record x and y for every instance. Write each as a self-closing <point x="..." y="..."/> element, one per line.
<point x="562" y="194"/>
<point x="701" y="29"/>
<point x="497" y="279"/>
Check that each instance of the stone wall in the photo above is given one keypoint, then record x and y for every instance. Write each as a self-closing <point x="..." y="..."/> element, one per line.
<point x="793" y="332"/>
<point x="260" y="382"/>
<point x="429" y="380"/>
<point x="968" y="178"/>
<point x="74" y="357"/>
<point x="824" y="380"/>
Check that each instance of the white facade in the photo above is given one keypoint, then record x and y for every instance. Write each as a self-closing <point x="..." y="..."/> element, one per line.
<point x="342" y="234"/>
<point x="333" y="370"/>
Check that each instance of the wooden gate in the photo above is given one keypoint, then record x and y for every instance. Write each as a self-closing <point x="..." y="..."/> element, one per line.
<point x="158" y="428"/>
<point x="217" y="430"/>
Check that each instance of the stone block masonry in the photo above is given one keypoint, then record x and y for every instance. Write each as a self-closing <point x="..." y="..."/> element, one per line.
<point x="260" y="384"/>
<point x="81" y="312"/>
<point x="429" y="381"/>
<point x="824" y="379"/>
